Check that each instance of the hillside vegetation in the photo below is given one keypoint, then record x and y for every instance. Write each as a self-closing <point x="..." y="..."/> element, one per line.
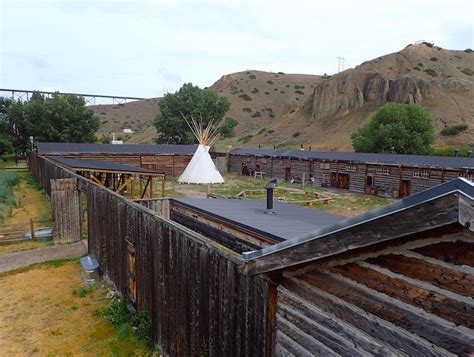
<point x="323" y="111"/>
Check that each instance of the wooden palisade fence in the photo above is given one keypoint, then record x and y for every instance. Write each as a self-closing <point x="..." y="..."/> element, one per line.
<point x="198" y="299"/>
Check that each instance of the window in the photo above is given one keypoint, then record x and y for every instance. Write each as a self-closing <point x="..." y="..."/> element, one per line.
<point x="324" y="166"/>
<point x="382" y="170"/>
<point x="351" y="168"/>
<point x="421" y="173"/>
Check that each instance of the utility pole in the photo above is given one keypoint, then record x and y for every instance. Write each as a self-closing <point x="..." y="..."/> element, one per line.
<point x="340" y="64"/>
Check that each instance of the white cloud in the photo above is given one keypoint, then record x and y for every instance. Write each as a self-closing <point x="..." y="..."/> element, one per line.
<point x="141" y="48"/>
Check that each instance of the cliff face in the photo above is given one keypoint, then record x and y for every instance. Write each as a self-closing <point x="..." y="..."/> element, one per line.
<point x="354" y="90"/>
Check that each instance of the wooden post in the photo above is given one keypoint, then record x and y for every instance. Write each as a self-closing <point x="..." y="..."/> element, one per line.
<point x="163" y="186"/>
<point x="32" y="227"/>
<point x="66" y="210"/>
<point x="151" y="186"/>
<point x="302" y="182"/>
<point x="132" y="187"/>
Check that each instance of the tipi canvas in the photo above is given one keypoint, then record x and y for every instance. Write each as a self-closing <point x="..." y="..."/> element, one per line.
<point x="201" y="168"/>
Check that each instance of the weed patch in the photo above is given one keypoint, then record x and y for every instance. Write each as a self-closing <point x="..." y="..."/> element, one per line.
<point x="454" y="129"/>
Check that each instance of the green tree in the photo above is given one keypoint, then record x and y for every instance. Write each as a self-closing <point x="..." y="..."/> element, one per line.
<point x="402" y="128"/>
<point x="60" y="118"/>
<point x="189" y="101"/>
<point x="227" y="127"/>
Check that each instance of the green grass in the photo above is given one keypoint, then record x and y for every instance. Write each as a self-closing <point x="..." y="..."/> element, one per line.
<point x="454" y="129"/>
<point x="83" y="291"/>
<point x="7" y="198"/>
<point x="467" y="71"/>
<point x="127" y="325"/>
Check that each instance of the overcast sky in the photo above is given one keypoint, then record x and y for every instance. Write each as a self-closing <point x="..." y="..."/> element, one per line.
<point x="145" y="48"/>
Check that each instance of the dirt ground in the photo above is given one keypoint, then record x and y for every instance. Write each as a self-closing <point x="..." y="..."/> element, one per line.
<point x="40" y="316"/>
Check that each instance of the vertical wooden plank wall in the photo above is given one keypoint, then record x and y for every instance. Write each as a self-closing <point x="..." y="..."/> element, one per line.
<point x="66" y="211"/>
<point x="198" y="300"/>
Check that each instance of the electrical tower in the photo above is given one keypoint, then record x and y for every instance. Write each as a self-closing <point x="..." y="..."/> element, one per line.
<point x="340" y="64"/>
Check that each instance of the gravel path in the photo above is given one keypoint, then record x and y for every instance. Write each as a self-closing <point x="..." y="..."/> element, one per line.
<point x="12" y="261"/>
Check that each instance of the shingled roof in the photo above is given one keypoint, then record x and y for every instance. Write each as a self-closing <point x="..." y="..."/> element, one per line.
<point x="61" y="148"/>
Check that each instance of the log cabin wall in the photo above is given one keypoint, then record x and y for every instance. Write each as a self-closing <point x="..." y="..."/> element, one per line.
<point x="415" y="299"/>
<point x="388" y="180"/>
<point x="300" y="167"/>
<point x="265" y="165"/>
<point x="192" y="288"/>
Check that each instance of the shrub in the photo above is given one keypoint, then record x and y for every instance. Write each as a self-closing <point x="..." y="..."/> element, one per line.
<point x="281" y="73"/>
<point x="252" y="76"/>
<point x="270" y="82"/>
<point x="282" y="92"/>
<point x="287" y="86"/>
<point x="431" y="72"/>
<point x="434" y="59"/>
<point x="267" y="93"/>
<point x="246" y="138"/>
<point x="467" y="71"/>
<point x="417" y="68"/>
<point x="227" y="127"/>
<point x="468" y="50"/>
<point x="300" y="92"/>
<point x="257" y="114"/>
<point x="295" y="135"/>
<point x="261" y="131"/>
<point x="453" y="129"/>
<point x="420" y="64"/>
<point x="299" y="87"/>
<point x="255" y="90"/>
<point x="245" y="96"/>
<point x="247" y="109"/>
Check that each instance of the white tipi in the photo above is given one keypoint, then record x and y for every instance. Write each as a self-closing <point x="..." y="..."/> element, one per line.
<point x="201" y="169"/>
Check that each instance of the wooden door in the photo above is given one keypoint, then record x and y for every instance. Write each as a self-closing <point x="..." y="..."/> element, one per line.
<point x="287" y="174"/>
<point x="404" y="188"/>
<point x="333" y="179"/>
<point x="343" y="181"/>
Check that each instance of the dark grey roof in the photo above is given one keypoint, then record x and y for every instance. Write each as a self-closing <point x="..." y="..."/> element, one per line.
<point x="287" y="222"/>
<point x="101" y="165"/>
<point x="60" y="148"/>
<point x="459" y="184"/>
<point x="446" y="162"/>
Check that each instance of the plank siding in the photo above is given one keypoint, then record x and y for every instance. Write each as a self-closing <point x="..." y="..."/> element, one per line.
<point x="190" y="286"/>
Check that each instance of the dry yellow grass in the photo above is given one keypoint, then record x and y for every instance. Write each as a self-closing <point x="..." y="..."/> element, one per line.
<point x="40" y="316"/>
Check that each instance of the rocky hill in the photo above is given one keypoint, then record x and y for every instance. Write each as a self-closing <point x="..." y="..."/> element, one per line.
<point x="323" y="111"/>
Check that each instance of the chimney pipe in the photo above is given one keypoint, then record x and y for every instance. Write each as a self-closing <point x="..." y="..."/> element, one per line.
<point x="269" y="187"/>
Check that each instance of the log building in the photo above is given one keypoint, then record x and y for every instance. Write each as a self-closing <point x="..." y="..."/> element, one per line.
<point x="170" y="159"/>
<point x="388" y="175"/>
<point x="227" y="279"/>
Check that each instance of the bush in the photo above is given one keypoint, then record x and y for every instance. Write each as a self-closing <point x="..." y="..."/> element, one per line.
<point x="270" y="82"/>
<point x="7" y="199"/>
<point x="257" y="114"/>
<point x="227" y="127"/>
<point x="420" y="64"/>
<point x="245" y="96"/>
<point x="434" y="59"/>
<point x="255" y="90"/>
<point x="267" y="93"/>
<point x="468" y="50"/>
<point x="453" y="129"/>
<point x="261" y="131"/>
<point x="467" y="71"/>
<point x="252" y="76"/>
<point x="245" y="139"/>
<point x="246" y="110"/>
<point x="417" y="68"/>
<point x="299" y="87"/>
<point x="281" y="73"/>
<point x="431" y="72"/>
<point x="295" y="135"/>
<point x="407" y="128"/>
<point x="299" y="92"/>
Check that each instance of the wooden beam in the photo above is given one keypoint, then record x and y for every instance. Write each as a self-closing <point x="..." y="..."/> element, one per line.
<point x="436" y="213"/>
<point x="124" y="184"/>
<point x="96" y="180"/>
<point x="145" y="188"/>
<point x="163" y="186"/>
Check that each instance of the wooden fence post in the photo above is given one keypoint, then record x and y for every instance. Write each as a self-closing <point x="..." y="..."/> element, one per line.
<point x="32" y="228"/>
<point x="66" y="210"/>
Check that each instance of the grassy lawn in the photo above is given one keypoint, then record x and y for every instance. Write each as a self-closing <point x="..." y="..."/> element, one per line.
<point x="48" y="311"/>
<point x="346" y="203"/>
